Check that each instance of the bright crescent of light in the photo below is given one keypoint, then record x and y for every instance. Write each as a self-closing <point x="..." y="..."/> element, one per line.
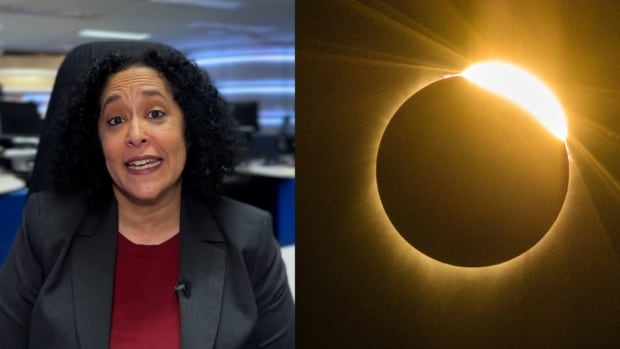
<point x="522" y="88"/>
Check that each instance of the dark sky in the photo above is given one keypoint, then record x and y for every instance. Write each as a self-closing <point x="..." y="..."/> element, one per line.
<point x="359" y="284"/>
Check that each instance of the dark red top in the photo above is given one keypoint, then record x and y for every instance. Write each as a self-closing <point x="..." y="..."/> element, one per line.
<point x="145" y="309"/>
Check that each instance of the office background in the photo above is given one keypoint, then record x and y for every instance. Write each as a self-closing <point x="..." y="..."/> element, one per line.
<point x="361" y="284"/>
<point x="246" y="47"/>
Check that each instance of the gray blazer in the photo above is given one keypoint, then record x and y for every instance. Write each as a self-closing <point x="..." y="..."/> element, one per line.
<point x="56" y="285"/>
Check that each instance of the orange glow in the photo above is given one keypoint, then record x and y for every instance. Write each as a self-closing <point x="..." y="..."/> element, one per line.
<point x="523" y="89"/>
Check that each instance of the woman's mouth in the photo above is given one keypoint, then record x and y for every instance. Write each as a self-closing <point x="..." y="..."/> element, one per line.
<point x="143" y="164"/>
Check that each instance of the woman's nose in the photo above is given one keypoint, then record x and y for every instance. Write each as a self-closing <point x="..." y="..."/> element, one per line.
<point x="136" y="135"/>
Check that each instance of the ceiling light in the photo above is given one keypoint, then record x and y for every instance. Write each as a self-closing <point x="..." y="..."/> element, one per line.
<point x="262" y="90"/>
<point x="216" y="4"/>
<point x="245" y="83"/>
<point x="21" y="72"/>
<point x="268" y="58"/>
<point x="50" y="12"/>
<point x="109" y="34"/>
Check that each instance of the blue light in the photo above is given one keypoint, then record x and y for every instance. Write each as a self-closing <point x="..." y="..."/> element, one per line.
<point x="242" y="52"/>
<point x="255" y="58"/>
<point x="238" y="83"/>
<point x="272" y="121"/>
<point x="263" y="90"/>
<point x="236" y="87"/>
<point x="277" y="113"/>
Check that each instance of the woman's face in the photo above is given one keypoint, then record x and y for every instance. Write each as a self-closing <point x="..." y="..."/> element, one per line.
<point x="141" y="128"/>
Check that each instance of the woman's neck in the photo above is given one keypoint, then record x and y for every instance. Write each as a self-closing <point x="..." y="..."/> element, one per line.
<point x="149" y="223"/>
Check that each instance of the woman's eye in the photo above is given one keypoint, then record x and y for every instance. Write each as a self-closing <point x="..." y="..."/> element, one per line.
<point x="115" y="120"/>
<point x="156" y="114"/>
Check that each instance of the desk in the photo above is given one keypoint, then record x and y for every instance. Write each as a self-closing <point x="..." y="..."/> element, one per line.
<point x="259" y="188"/>
<point x="22" y="159"/>
<point x="10" y="183"/>
<point x="274" y="171"/>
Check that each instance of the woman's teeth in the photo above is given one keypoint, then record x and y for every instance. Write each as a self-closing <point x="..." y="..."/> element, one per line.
<point x="143" y="164"/>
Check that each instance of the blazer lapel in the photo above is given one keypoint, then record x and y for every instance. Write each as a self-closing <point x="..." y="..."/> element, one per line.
<point x="202" y="265"/>
<point x="93" y="259"/>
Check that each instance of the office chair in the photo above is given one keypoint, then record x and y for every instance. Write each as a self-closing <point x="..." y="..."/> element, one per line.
<point x="75" y="63"/>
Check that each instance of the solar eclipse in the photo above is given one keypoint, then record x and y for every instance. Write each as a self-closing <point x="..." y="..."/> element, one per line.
<point x="473" y="169"/>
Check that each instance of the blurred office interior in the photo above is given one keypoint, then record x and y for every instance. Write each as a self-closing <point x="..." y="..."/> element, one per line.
<point x="247" y="48"/>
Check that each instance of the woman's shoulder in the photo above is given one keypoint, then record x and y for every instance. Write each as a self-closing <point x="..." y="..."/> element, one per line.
<point x="249" y="233"/>
<point x="242" y="224"/>
<point x="231" y="207"/>
<point x="45" y="212"/>
<point x="49" y="205"/>
<point x="233" y="212"/>
<point x="49" y="223"/>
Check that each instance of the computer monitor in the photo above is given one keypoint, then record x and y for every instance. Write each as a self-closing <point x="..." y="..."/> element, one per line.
<point x="264" y="147"/>
<point x="19" y="120"/>
<point x="246" y="115"/>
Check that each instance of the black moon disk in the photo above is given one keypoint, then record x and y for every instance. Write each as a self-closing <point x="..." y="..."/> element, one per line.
<point x="469" y="178"/>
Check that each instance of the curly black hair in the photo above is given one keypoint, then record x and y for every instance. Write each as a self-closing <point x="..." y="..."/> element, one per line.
<point x="77" y="163"/>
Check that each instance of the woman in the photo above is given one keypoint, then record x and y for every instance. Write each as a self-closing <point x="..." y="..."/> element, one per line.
<point x="134" y="247"/>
